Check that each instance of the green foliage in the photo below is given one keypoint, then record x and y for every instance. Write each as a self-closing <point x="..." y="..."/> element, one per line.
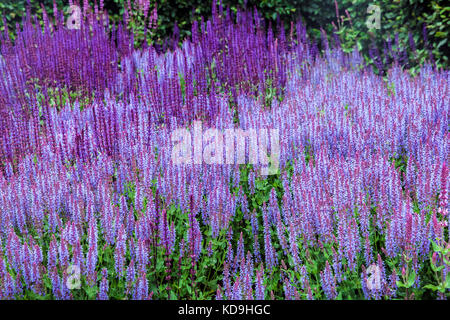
<point x="58" y="97"/>
<point x="399" y="17"/>
<point x="14" y="11"/>
<point x="439" y="259"/>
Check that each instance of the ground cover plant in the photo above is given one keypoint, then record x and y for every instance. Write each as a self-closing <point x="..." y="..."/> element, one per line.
<point x="92" y="205"/>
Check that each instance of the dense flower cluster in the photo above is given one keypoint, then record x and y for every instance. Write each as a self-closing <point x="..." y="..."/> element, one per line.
<point x="87" y="178"/>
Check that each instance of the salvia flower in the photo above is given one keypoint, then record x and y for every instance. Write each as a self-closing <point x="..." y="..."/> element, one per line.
<point x="328" y="282"/>
<point x="104" y="286"/>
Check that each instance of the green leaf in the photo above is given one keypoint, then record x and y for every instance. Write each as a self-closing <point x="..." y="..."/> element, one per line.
<point x="441" y="43"/>
<point x="447" y="262"/>
<point x="173" y="296"/>
<point x="435" y="246"/>
<point x="411" y="279"/>
<point x="430" y="286"/>
<point x="34" y="296"/>
<point x="91" y="292"/>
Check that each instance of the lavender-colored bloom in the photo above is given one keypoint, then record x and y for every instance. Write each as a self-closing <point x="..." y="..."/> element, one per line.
<point x="195" y="239"/>
<point x="167" y="234"/>
<point x="209" y="249"/>
<point x="236" y="293"/>
<point x="63" y="253"/>
<point x="104" y="286"/>
<point x="260" y="286"/>
<point x="92" y="255"/>
<point x="56" y="283"/>
<point x="141" y="287"/>
<point x="227" y="279"/>
<point x="141" y="254"/>
<point x="8" y="288"/>
<point x="328" y="282"/>
<point x="269" y="252"/>
<point x="130" y="276"/>
<point x="251" y="181"/>
<point x="120" y="251"/>
<point x="219" y="295"/>
<point x="52" y="256"/>
<point x="240" y="252"/>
